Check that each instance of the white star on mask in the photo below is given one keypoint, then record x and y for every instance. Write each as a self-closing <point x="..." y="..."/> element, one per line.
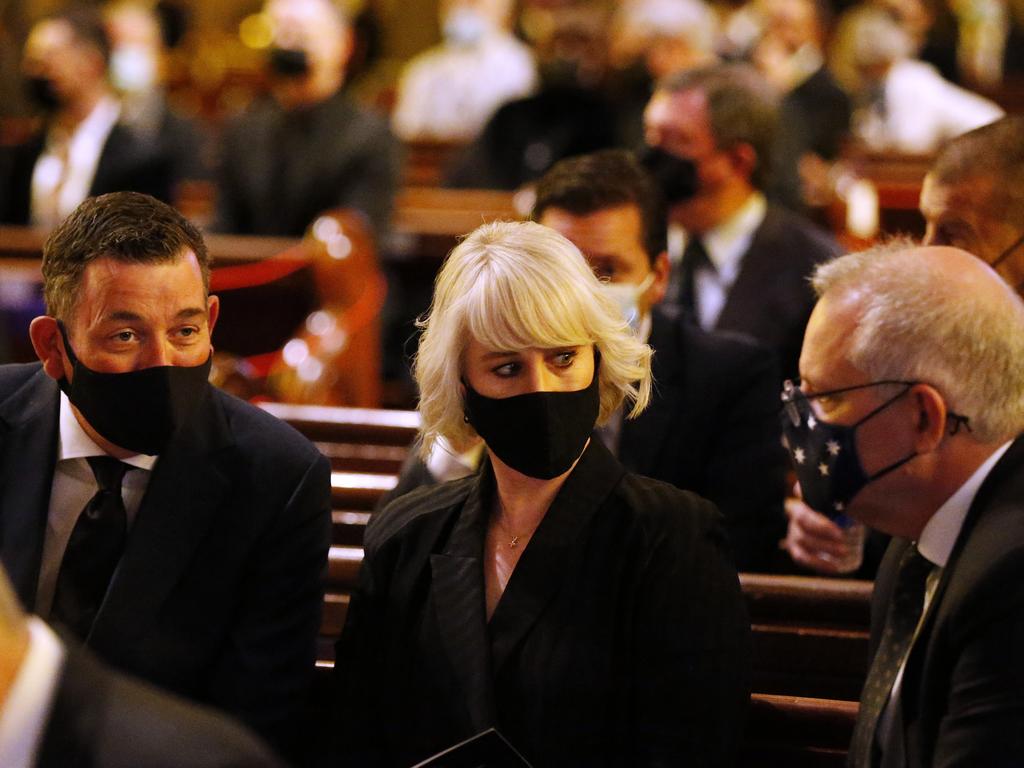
<point x="833" y="448"/>
<point x="811" y="422"/>
<point x="798" y="455"/>
<point x="838" y="506"/>
<point x="823" y="469"/>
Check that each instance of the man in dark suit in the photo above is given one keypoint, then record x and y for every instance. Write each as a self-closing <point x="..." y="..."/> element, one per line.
<point x="307" y="148"/>
<point x="745" y="263"/>
<point x="712" y="424"/>
<point x="60" y="708"/>
<point x="84" y="150"/>
<point x="973" y="198"/>
<point x="907" y="418"/>
<point x="197" y="561"/>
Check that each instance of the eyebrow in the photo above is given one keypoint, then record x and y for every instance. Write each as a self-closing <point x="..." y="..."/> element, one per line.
<point x="132" y="317"/>
<point x="497" y="355"/>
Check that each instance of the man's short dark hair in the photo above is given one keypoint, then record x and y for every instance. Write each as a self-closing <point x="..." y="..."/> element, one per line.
<point x="612" y="177"/>
<point x="86" y="23"/>
<point x="125" y="226"/>
<point x="742" y="108"/>
<point x="995" y="150"/>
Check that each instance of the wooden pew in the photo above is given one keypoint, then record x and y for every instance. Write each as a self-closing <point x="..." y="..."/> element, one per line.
<point x="797" y="732"/>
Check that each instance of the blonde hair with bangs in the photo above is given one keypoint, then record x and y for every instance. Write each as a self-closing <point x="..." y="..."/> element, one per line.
<point x="511" y="286"/>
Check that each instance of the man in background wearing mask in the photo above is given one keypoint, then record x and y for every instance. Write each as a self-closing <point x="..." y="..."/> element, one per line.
<point x="82" y="149"/>
<point x="907" y="418"/>
<point x="308" y="148"/>
<point x="712" y="424"/>
<point x="973" y="198"/>
<point x="137" y="61"/>
<point x="741" y="263"/>
<point x="448" y="92"/>
<point x="181" y="534"/>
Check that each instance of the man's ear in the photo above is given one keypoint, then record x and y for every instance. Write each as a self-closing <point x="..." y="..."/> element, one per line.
<point x="662" y="269"/>
<point x="212" y="312"/>
<point x="744" y="159"/>
<point x="931" y="414"/>
<point x="49" y="347"/>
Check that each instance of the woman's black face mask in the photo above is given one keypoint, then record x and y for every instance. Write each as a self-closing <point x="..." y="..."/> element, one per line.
<point x="138" y="410"/>
<point x="540" y="434"/>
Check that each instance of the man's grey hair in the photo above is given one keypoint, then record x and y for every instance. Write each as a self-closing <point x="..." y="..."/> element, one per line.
<point x="915" y="324"/>
<point x="743" y="108"/>
<point x="995" y="150"/>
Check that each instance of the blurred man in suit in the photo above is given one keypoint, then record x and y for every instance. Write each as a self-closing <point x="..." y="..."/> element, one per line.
<point x="83" y="149"/>
<point x="745" y="262"/>
<point x="907" y="418"/>
<point x="973" y="198"/>
<point x="59" y="707"/>
<point x="309" y="147"/>
<point x="712" y="424"/>
<point x="181" y="534"/>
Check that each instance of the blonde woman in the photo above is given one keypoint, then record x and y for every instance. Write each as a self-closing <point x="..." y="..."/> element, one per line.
<point x="592" y="616"/>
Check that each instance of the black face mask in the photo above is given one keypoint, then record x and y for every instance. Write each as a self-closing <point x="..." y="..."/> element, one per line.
<point x="539" y="434"/>
<point x="138" y="410"/>
<point x="289" y="62"/>
<point x="675" y="176"/>
<point x="42" y="92"/>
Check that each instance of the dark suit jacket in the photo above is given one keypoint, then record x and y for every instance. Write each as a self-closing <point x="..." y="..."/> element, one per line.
<point x="125" y="164"/>
<point x="621" y="638"/>
<point x="963" y="686"/>
<point x="218" y="594"/>
<point x="713" y="428"/>
<point x="772" y="299"/>
<point x="101" y="719"/>
<point x="280" y="170"/>
<point x="818" y="111"/>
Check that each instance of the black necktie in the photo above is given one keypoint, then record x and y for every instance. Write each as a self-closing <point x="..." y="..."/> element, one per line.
<point x="94" y="548"/>
<point x="695" y="256"/>
<point x="900" y="623"/>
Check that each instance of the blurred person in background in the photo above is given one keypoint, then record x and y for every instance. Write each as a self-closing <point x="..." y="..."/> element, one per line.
<point x="814" y="111"/>
<point x="83" y="149"/>
<point x="570" y="114"/>
<point x="651" y="39"/>
<point x="137" y="70"/>
<point x="308" y="147"/>
<point x="739" y="262"/>
<point x="902" y="104"/>
<point x="448" y="92"/>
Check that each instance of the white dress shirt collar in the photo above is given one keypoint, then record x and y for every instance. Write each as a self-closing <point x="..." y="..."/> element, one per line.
<point x="76" y="444"/>
<point x="726" y="243"/>
<point x="26" y="710"/>
<point x="942" y="530"/>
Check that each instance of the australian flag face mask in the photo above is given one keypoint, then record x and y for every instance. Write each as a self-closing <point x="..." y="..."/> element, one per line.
<point x="825" y="455"/>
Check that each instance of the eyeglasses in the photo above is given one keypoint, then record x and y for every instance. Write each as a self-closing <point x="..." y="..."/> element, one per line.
<point x="795" y="401"/>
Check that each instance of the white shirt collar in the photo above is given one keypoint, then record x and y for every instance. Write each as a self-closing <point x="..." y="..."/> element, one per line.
<point x="76" y="444"/>
<point x="26" y="709"/>
<point x="726" y="243"/>
<point x="942" y="530"/>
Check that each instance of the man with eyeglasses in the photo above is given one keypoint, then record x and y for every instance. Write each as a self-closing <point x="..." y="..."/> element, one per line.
<point x="907" y="419"/>
<point x="973" y="198"/>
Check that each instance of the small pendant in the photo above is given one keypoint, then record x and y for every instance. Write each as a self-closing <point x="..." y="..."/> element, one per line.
<point x="514" y="543"/>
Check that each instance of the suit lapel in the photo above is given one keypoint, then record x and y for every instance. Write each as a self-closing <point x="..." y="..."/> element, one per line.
<point x="457" y="591"/>
<point x="643" y="437"/>
<point x="758" y="272"/>
<point x="188" y="486"/>
<point x="28" y="442"/>
<point x="541" y="568"/>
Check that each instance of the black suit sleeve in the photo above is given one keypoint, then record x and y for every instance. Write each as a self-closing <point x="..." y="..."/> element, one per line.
<point x="747" y="466"/>
<point x="265" y="670"/>
<point x="101" y="719"/>
<point x="984" y="721"/>
<point x="692" y="635"/>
